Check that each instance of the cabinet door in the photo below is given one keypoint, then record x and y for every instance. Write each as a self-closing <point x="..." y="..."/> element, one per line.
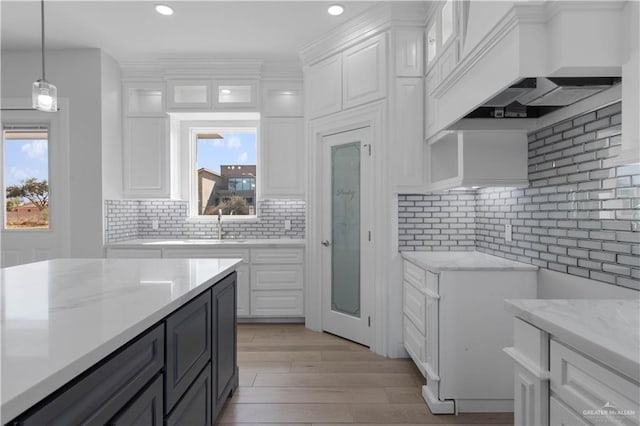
<point x="194" y="409"/>
<point x="282" y="99"/>
<point x="145" y="410"/>
<point x="410" y="151"/>
<point x="283" y="158"/>
<point x="324" y="87"/>
<point x="409" y="52"/>
<point x="364" y="74"/>
<point x="224" y="340"/>
<point x="188" y="346"/>
<point x="193" y="95"/>
<point x="146" y="157"/>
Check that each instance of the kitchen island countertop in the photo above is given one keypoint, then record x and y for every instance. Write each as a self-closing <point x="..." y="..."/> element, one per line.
<point x="62" y="316"/>
<point x="436" y="261"/>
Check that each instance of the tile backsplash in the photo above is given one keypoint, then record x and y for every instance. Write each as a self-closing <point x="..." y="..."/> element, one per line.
<point x="131" y="219"/>
<point x="579" y="215"/>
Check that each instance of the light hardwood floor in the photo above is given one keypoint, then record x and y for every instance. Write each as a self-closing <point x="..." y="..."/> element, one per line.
<point x="293" y="376"/>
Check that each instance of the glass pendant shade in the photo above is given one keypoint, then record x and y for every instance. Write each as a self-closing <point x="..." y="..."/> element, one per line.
<point x="44" y="96"/>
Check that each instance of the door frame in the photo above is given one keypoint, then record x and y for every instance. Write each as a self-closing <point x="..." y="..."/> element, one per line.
<point x="62" y="182"/>
<point x="374" y="116"/>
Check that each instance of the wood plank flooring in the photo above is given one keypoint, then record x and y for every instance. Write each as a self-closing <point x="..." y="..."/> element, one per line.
<point x="293" y="376"/>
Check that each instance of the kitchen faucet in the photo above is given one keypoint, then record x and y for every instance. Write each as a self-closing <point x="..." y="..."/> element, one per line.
<point x="219" y="224"/>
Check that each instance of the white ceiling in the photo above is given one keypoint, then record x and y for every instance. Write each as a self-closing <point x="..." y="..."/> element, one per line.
<point x="132" y="31"/>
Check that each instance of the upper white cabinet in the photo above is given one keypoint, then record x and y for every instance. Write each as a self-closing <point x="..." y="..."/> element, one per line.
<point x="146" y="157"/>
<point x="189" y="94"/>
<point x="235" y="94"/>
<point x="477" y="158"/>
<point x="353" y="77"/>
<point x="324" y="87"/>
<point x="283" y="154"/>
<point x="282" y="99"/>
<point x="409" y="52"/>
<point x="409" y="148"/>
<point x="144" y="99"/>
<point x="364" y="72"/>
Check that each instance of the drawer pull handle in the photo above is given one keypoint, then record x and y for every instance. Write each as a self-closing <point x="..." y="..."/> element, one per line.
<point x="525" y="363"/>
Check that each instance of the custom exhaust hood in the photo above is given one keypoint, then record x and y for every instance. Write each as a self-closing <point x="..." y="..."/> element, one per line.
<point x="534" y="97"/>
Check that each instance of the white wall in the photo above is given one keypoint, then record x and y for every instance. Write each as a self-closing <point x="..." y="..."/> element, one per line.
<point x="76" y="73"/>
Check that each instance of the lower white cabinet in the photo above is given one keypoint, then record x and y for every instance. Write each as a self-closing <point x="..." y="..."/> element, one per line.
<point x="555" y="384"/>
<point x="270" y="282"/>
<point x="455" y="328"/>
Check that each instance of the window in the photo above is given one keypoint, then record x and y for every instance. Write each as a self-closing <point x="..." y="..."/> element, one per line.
<point x="225" y="173"/>
<point x="26" y="178"/>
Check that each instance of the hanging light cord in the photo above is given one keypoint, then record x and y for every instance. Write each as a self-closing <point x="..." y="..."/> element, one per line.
<point x="42" y="35"/>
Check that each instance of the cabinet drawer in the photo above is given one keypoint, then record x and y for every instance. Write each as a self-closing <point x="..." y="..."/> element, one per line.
<point x="276" y="277"/>
<point x="561" y="415"/>
<point x="277" y="303"/>
<point x="230" y="253"/>
<point x="414" y="305"/>
<point x="103" y="393"/>
<point x="414" y="343"/>
<point x="271" y="256"/>
<point x="414" y="274"/>
<point x="584" y="384"/>
<point x="188" y="346"/>
<point x="194" y="409"/>
<point x="145" y="410"/>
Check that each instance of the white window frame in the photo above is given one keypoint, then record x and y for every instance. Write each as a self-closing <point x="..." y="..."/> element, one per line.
<point x="193" y="129"/>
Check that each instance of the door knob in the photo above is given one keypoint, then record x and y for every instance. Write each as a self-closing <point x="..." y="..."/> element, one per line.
<point x="326" y="243"/>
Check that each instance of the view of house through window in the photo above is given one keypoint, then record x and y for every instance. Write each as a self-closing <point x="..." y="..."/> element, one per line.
<point x="26" y="178"/>
<point x="226" y="172"/>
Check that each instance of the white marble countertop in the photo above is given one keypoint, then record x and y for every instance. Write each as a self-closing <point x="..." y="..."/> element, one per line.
<point x="607" y="330"/>
<point x="436" y="261"/>
<point x="166" y="243"/>
<point x="62" y="316"/>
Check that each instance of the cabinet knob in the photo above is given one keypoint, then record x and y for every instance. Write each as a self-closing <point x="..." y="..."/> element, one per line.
<point x="325" y="243"/>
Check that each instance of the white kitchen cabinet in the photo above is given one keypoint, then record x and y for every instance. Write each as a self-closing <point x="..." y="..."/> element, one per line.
<point x="282" y="99"/>
<point x="409" y="150"/>
<point x="277" y="282"/>
<point x="146" y="157"/>
<point x="571" y="365"/>
<point x="235" y="95"/>
<point x="477" y="158"/>
<point x="283" y="151"/>
<point x="324" y="87"/>
<point x="191" y="95"/>
<point x="143" y="98"/>
<point x="364" y="72"/>
<point x="454" y="323"/>
<point x="270" y="280"/>
<point x="242" y="299"/>
<point x="409" y="50"/>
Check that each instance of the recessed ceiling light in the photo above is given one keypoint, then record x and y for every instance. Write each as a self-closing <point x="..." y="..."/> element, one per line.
<point x="335" y="9"/>
<point x="163" y="9"/>
<point x="225" y="91"/>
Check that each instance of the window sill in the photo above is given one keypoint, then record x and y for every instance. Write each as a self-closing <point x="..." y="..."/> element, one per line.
<point x="225" y="219"/>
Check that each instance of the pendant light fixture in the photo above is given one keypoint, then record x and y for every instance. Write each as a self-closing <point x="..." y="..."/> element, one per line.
<point x="44" y="95"/>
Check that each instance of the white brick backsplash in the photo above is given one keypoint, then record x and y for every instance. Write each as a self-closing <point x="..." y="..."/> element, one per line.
<point x="131" y="219"/>
<point x="579" y="215"/>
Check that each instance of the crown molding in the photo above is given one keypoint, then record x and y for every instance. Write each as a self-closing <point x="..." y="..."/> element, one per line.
<point x="373" y="21"/>
<point x="185" y="68"/>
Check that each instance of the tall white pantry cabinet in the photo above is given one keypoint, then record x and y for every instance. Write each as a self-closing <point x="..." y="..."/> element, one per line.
<point x="455" y="326"/>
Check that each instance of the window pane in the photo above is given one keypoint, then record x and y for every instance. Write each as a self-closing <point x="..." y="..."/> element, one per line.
<point x="447" y="21"/>
<point x="226" y="172"/>
<point x="26" y="179"/>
